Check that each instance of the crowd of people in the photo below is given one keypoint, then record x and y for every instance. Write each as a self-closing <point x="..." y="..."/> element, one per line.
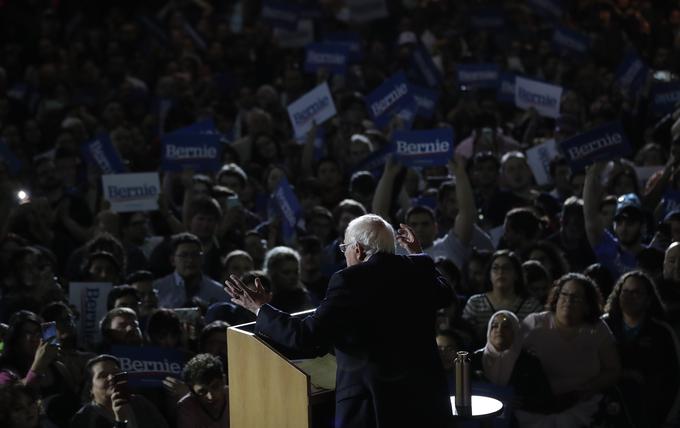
<point x="569" y="288"/>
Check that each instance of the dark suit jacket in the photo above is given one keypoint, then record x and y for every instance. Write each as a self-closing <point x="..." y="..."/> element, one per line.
<point x="379" y="316"/>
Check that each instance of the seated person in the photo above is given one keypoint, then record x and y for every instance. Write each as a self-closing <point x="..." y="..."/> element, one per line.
<point x="207" y="403"/>
<point x="503" y="362"/>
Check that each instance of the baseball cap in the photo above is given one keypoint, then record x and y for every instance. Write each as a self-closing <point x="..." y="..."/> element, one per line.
<point x="628" y="207"/>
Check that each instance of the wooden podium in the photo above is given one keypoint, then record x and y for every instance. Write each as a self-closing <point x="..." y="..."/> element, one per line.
<point x="267" y="390"/>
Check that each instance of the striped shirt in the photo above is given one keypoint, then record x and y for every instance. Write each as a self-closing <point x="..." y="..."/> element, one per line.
<point x="479" y="309"/>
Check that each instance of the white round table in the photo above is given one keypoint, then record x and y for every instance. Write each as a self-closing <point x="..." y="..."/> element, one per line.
<point x="482" y="407"/>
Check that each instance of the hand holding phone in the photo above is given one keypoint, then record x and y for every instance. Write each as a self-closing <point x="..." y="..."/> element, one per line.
<point x="49" y="333"/>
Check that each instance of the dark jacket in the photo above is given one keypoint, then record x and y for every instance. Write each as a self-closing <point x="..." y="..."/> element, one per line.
<point x="528" y="380"/>
<point x="651" y="356"/>
<point x="379" y="316"/>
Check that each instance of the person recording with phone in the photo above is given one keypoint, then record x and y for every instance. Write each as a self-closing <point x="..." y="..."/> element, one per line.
<point x="111" y="403"/>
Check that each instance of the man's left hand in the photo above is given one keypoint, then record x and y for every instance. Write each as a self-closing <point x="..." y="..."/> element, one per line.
<point x="406" y="237"/>
<point x="242" y="295"/>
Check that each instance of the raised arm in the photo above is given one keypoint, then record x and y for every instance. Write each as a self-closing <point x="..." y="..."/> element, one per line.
<point x="382" y="199"/>
<point x="592" y="195"/>
<point x="465" y="220"/>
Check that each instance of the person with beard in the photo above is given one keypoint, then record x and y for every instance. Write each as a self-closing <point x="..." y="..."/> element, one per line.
<point x="617" y="251"/>
<point x="207" y="403"/>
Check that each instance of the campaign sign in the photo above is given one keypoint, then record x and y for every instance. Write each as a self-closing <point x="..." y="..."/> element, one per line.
<point x="631" y="74"/>
<point x="664" y="96"/>
<point x="390" y="98"/>
<point x="349" y="39"/>
<point x="13" y="164"/>
<point x="194" y="151"/>
<point x="361" y="11"/>
<point x="568" y="41"/>
<point x="539" y="157"/>
<point x="147" y="366"/>
<point x="548" y="8"/>
<point x="101" y="153"/>
<point x="132" y="192"/>
<point x="89" y="298"/>
<point x="330" y="56"/>
<point x="206" y="126"/>
<point x="478" y="75"/>
<point x="600" y="144"/>
<point x="423" y="66"/>
<point x="280" y="14"/>
<point x="315" y="106"/>
<point x="426" y="100"/>
<point x="505" y="92"/>
<point x="375" y="162"/>
<point x="430" y="147"/>
<point x="288" y="207"/>
<point x="543" y="97"/>
<point x="487" y="19"/>
<point x="298" y="37"/>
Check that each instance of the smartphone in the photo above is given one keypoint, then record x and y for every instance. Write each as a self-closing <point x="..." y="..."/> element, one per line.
<point x="120" y="385"/>
<point x="49" y="333"/>
<point x="188" y="315"/>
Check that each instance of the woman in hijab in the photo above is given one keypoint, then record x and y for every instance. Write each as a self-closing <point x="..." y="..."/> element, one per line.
<point x="504" y="363"/>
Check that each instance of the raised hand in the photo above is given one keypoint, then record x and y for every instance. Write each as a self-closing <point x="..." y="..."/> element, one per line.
<point x="407" y="239"/>
<point x="248" y="298"/>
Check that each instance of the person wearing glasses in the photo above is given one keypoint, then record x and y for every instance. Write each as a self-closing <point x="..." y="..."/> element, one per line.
<point x="187" y="285"/>
<point x="576" y="350"/>
<point x="505" y="289"/>
<point x="648" y="349"/>
<point x="378" y="300"/>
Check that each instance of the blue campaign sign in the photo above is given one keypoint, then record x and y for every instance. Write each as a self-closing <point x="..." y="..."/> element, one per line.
<point x="424" y="68"/>
<point x="101" y="153"/>
<point x="288" y="207"/>
<point x="390" y="98"/>
<point x="600" y="144"/>
<point x="478" y="75"/>
<point x="147" y="366"/>
<point x="206" y="126"/>
<point x="426" y="100"/>
<point x="663" y="97"/>
<point x="375" y="162"/>
<point x="506" y="88"/>
<point x="567" y="41"/>
<point x="631" y="74"/>
<point x="350" y="39"/>
<point x="430" y="147"/>
<point x="487" y="19"/>
<point x="12" y="162"/>
<point x="330" y="56"/>
<point x="280" y="14"/>
<point x="548" y="8"/>
<point x="199" y="152"/>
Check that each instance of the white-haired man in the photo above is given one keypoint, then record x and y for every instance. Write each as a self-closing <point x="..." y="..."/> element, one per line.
<point x="379" y="315"/>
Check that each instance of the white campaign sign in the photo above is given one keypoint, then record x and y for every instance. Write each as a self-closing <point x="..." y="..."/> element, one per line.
<point x="543" y="97"/>
<point x="132" y="192"/>
<point x="89" y="298"/>
<point x="539" y="158"/>
<point x="315" y="106"/>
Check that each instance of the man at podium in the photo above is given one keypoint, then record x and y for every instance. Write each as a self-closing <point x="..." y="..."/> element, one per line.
<point x="378" y="316"/>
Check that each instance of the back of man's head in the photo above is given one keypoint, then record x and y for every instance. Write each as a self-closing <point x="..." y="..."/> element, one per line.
<point x="373" y="233"/>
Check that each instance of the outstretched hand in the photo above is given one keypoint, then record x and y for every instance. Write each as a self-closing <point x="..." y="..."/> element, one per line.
<point x="407" y="239"/>
<point x="248" y="298"/>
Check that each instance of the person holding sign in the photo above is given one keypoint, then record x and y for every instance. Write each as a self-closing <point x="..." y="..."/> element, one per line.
<point x="362" y="318"/>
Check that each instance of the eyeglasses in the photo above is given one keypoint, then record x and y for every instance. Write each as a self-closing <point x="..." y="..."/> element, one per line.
<point x="571" y="297"/>
<point x="343" y="247"/>
<point x="186" y="256"/>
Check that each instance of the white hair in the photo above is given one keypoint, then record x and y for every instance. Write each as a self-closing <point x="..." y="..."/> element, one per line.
<point x="373" y="233"/>
<point x="279" y="254"/>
